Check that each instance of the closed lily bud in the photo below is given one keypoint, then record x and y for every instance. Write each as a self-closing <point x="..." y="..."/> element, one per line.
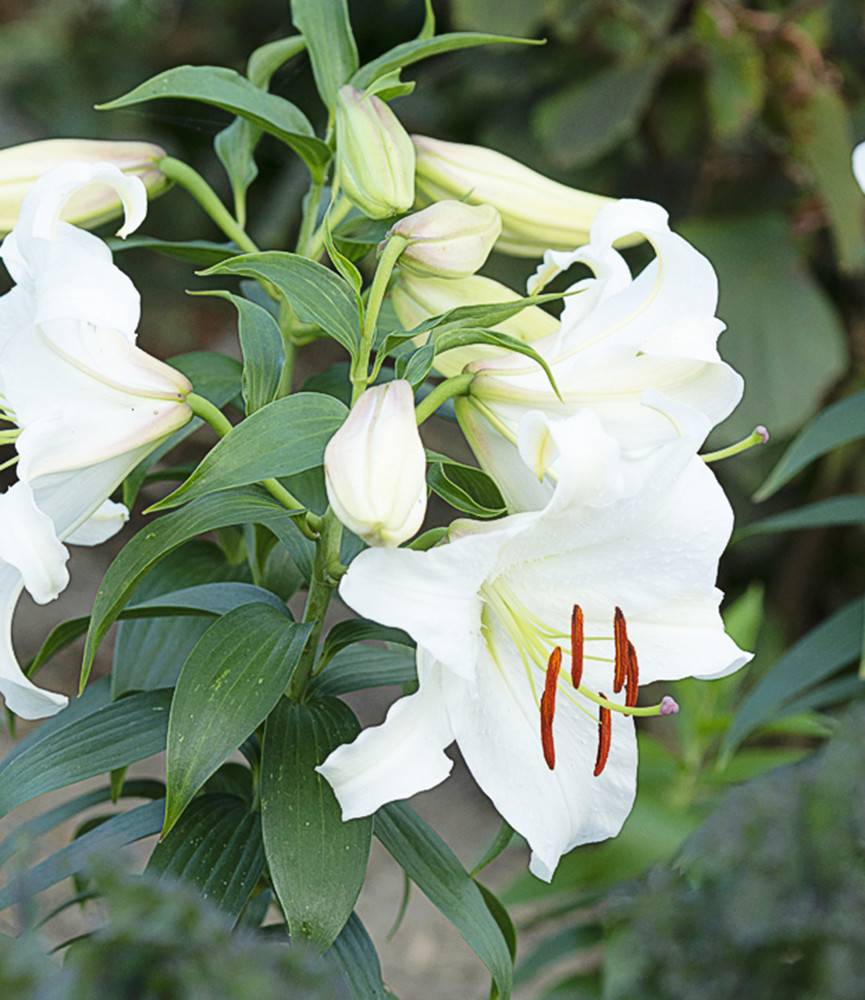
<point x="375" y="158"/>
<point x="449" y="239"/>
<point x="375" y="467"/>
<point x="537" y="213"/>
<point x="21" y="166"/>
<point x="416" y="299"/>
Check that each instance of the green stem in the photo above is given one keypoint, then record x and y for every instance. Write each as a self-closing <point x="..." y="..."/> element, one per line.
<point x="360" y="369"/>
<point x="286" y="376"/>
<point x="213" y="416"/>
<point x="310" y="214"/>
<point x="338" y="212"/>
<point x="325" y="570"/>
<point x="457" y="385"/>
<point x="758" y="436"/>
<point x="204" y="194"/>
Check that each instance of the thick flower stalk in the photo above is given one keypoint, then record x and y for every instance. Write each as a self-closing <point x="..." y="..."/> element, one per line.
<point x="91" y="205"/>
<point x="375" y="467"/>
<point x="416" y="298"/>
<point x="536" y="212"/>
<point x="81" y="404"/>
<point x="621" y="341"/>
<point x="535" y="632"/>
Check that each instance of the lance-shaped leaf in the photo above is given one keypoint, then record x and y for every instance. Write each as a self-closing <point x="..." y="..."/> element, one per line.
<point x="158" y="539"/>
<point x="436" y="870"/>
<point x="317" y="295"/>
<point x="261" y="344"/>
<point x="233" y="677"/>
<point x="105" y="839"/>
<point x="464" y="487"/>
<point x="284" y="438"/>
<point x="829" y="513"/>
<point x="200" y="252"/>
<point x="217" y="847"/>
<point x="837" y="425"/>
<point x="327" y="29"/>
<point x="316" y="862"/>
<point x="422" y="48"/>
<point x="223" y="88"/>
<point x="833" y="644"/>
<point x="362" y="666"/>
<point x="235" y="145"/>
<point x="356" y="955"/>
<point x="90" y="742"/>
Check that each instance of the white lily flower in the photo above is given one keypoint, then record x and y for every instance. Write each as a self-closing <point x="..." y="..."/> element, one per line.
<point x="534" y="633"/>
<point x="859" y="165"/>
<point x="619" y="337"/>
<point x="79" y="401"/>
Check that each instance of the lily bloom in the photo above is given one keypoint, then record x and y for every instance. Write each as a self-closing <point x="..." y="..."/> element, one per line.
<point x="534" y="633"/>
<point x="618" y="337"/>
<point x="80" y="403"/>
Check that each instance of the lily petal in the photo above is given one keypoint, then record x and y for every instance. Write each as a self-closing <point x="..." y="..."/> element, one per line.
<point x="402" y="756"/>
<point x="29" y="543"/>
<point x="103" y="523"/>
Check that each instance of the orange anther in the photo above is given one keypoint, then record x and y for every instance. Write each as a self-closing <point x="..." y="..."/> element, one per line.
<point x="548" y="706"/>
<point x="605" y="736"/>
<point x="577" y="641"/>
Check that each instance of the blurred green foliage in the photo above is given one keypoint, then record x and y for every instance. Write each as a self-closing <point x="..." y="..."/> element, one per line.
<point x="163" y="941"/>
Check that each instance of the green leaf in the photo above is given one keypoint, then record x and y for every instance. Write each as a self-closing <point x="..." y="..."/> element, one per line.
<point x="569" y="941"/>
<point x="316" y="295"/>
<point x="105" y="839"/>
<point x="332" y="49"/>
<point x="213" y="376"/>
<point x="232" y="679"/>
<point x="25" y="834"/>
<point x="200" y="252"/>
<point x="158" y="539"/>
<point x="223" y="88"/>
<point x="283" y="438"/>
<point x="217" y="847"/>
<point x="355" y="630"/>
<point x="437" y="872"/>
<point x="504" y="835"/>
<point x="501" y="916"/>
<point x="423" y="48"/>
<point x="590" y="118"/>
<point x="261" y="343"/>
<point x="361" y="666"/>
<point x="823" y="136"/>
<point x="837" y="425"/>
<point x="464" y="487"/>
<point x="782" y="327"/>
<point x="317" y="863"/>
<point x="415" y="366"/>
<point x="110" y="736"/>
<point x="736" y="75"/>
<point x="149" y="652"/>
<point x="235" y="145"/>
<point x="447" y="340"/>
<point x="356" y="954"/>
<point x="833" y="644"/>
<point x="828" y="513"/>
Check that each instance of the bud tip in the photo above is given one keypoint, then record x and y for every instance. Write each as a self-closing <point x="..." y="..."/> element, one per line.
<point x="762" y="432"/>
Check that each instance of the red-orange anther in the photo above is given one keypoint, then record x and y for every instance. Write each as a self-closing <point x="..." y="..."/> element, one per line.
<point x="620" y="639"/>
<point x="548" y="706"/>
<point x="577" y="641"/>
<point x="605" y="736"/>
<point x="632" y="685"/>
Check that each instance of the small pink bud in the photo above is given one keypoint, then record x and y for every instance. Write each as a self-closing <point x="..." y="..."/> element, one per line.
<point x="669" y="706"/>
<point x="762" y="432"/>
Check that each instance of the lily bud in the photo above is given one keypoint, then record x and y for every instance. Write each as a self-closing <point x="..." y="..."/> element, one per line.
<point x="449" y="239"/>
<point x="537" y="213"/>
<point x="416" y="299"/>
<point x="21" y="166"/>
<point x="375" y="467"/>
<point x="375" y="158"/>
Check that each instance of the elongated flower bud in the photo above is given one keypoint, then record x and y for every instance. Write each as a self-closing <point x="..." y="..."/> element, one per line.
<point x="449" y="239"/>
<point x="537" y="213"/>
<point x="375" y="158"/>
<point x="375" y="467"/>
<point x="417" y="298"/>
<point x="21" y="166"/>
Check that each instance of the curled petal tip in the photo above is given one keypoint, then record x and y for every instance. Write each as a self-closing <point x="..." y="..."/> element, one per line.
<point x="669" y="706"/>
<point x="762" y="432"/>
